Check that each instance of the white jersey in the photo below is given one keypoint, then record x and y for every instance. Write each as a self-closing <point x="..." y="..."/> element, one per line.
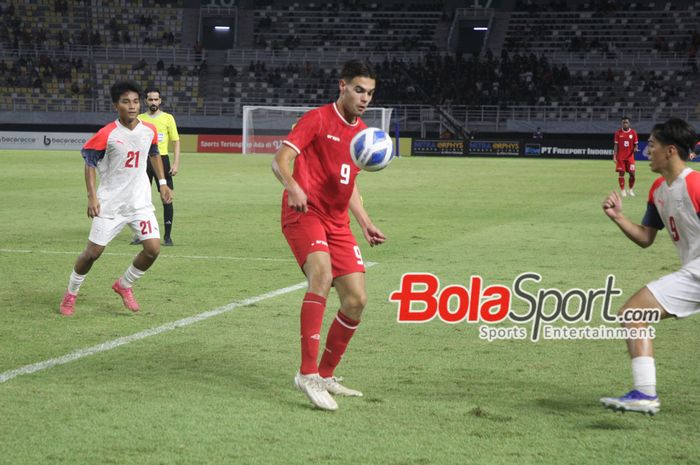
<point x="120" y="154"/>
<point x="677" y="207"/>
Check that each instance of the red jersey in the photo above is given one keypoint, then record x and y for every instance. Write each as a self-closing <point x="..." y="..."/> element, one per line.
<point x="625" y="140"/>
<point x="323" y="167"/>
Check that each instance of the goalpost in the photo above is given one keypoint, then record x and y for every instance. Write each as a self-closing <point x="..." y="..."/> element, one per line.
<point x="265" y="127"/>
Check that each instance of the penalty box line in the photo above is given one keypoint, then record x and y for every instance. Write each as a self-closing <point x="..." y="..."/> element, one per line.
<point x="113" y="344"/>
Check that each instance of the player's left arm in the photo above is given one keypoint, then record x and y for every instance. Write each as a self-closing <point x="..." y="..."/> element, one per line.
<point x="175" y="137"/>
<point x="175" y="167"/>
<point x="372" y="233"/>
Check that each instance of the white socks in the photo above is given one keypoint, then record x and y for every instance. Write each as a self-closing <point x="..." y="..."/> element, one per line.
<point x="131" y="275"/>
<point x="75" y="281"/>
<point x="644" y="375"/>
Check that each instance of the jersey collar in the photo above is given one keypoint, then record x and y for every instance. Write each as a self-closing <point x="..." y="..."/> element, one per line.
<point x="337" y="112"/>
<point x="119" y="124"/>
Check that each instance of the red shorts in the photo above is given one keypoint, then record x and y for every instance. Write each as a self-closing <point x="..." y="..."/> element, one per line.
<point x="311" y="234"/>
<point x="625" y="166"/>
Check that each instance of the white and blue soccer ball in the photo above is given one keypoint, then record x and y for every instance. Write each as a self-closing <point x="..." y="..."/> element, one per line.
<point x="371" y="149"/>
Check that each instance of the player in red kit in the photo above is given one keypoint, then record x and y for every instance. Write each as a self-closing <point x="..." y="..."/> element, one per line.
<point x="315" y="221"/>
<point x="626" y="144"/>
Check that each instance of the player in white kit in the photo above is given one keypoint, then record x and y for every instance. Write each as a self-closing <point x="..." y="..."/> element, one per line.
<point x="674" y="203"/>
<point x="118" y="153"/>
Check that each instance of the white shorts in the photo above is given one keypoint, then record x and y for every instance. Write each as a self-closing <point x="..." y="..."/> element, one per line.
<point x="678" y="293"/>
<point x="143" y="223"/>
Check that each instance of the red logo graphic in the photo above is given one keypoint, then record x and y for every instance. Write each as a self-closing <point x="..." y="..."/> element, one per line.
<point x="420" y="300"/>
<point x="453" y="304"/>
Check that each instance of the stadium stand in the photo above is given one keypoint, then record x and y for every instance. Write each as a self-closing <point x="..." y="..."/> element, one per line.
<point x="55" y="55"/>
<point x="613" y="33"/>
<point x="179" y="85"/>
<point x="564" y="60"/>
<point x="150" y="27"/>
<point x="343" y="30"/>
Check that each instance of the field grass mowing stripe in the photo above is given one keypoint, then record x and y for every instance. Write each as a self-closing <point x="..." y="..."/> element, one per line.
<point x="189" y="257"/>
<point x="109" y="345"/>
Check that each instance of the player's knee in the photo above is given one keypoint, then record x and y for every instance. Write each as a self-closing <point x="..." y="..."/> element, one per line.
<point x="151" y="249"/>
<point x="355" y="303"/>
<point x="93" y="253"/>
<point x="320" y="279"/>
<point x="152" y="254"/>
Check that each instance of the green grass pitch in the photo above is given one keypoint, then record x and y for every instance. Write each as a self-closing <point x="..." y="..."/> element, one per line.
<point x="220" y="391"/>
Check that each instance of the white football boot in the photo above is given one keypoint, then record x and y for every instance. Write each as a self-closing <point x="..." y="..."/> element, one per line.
<point x="334" y="387"/>
<point x="315" y="389"/>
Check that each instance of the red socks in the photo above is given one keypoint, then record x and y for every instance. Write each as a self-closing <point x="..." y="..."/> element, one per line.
<point x="621" y="180"/>
<point x="311" y="320"/>
<point x="631" y="181"/>
<point x="339" y="336"/>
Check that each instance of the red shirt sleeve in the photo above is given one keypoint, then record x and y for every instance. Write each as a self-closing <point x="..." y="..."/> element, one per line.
<point x="304" y="131"/>
<point x="692" y="183"/>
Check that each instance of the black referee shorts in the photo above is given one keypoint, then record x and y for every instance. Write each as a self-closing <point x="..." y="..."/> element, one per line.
<point x="166" y="168"/>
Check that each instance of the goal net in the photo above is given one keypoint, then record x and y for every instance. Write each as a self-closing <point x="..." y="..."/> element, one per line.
<point x="264" y="128"/>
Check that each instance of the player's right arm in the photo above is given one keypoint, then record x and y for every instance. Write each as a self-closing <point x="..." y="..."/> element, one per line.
<point x="92" y="152"/>
<point x="282" y="168"/>
<point x="93" y="208"/>
<point x="615" y="147"/>
<point x="641" y="235"/>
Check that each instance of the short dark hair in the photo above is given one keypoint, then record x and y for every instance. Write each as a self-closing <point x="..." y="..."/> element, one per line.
<point x="120" y="87"/>
<point x="678" y="133"/>
<point x="353" y="68"/>
<point x="625" y="118"/>
<point x="151" y="89"/>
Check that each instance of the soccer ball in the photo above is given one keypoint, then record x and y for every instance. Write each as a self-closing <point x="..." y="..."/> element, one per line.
<point x="371" y="149"/>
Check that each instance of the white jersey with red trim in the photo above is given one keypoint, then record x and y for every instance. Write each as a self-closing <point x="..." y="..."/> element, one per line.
<point x="119" y="155"/>
<point x="677" y="207"/>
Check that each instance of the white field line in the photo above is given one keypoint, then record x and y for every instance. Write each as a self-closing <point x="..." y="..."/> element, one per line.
<point x="120" y="341"/>
<point x="190" y="257"/>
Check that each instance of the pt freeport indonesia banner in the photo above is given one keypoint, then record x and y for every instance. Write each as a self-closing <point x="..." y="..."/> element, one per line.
<point x="592" y="149"/>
